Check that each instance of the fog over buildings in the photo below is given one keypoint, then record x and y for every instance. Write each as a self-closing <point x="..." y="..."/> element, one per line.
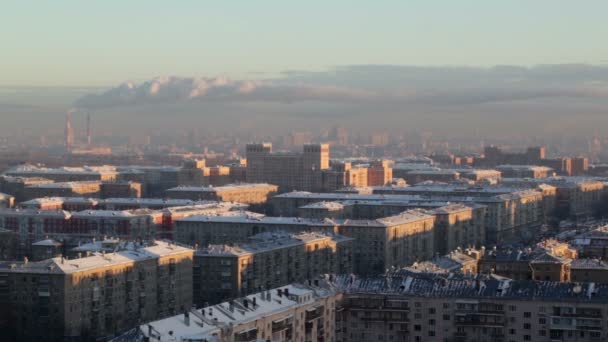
<point x="454" y="101"/>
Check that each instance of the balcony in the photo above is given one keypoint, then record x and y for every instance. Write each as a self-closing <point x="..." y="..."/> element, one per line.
<point x="474" y="320"/>
<point x="281" y="325"/>
<point x="250" y="335"/>
<point x="385" y="317"/>
<point x="312" y="314"/>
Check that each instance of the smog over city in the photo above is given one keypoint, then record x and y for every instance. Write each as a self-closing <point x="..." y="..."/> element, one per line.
<point x="320" y="171"/>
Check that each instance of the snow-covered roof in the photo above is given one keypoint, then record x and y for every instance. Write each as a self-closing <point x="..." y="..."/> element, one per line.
<point x="228" y="187"/>
<point x="329" y="205"/>
<point x="210" y="321"/>
<point x="126" y="256"/>
<point x="47" y="243"/>
<point x="251" y="217"/>
<point x="268" y="241"/>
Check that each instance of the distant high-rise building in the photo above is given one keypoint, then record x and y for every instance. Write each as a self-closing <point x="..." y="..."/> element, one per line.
<point x="580" y="165"/>
<point x="290" y="171"/>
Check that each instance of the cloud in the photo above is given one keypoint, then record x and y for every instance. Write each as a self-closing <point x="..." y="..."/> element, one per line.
<point x="374" y="85"/>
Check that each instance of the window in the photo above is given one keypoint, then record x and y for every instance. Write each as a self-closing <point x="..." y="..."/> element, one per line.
<point x="527" y="338"/>
<point x="417" y="327"/>
<point x="431" y="333"/>
<point x="512" y="308"/>
<point x="431" y="311"/>
<point x="527" y="314"/>
<point x="527" y="326"/>
<point x="446" y="317"/>
<point x="542" y="320"/>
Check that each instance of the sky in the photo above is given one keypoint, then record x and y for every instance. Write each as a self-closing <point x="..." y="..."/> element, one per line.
<point x="103" y="43"/>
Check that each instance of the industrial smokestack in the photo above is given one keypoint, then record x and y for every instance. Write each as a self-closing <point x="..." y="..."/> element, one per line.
<point x="89" y="130"/>
<point x="69" y="134"/>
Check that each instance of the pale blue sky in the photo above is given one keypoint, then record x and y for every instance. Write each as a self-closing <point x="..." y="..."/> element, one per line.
<point x="76" y="42"/>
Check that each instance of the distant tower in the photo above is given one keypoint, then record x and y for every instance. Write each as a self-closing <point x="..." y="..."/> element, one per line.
<point x="69" y="134"/>
<point x="89" y="130"/>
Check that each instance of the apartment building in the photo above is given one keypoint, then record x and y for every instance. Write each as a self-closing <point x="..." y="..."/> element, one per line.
<point x="458" y="226"/>
<point x="291" y="313"/>
<point x="288" y="170"/>
<point x="522" y="264"/>
<point x="31" y="225"/>
<point x="258" y="193"/>
<point x="62" y="203"/>
<point x="126" y="224"/>
<point x="66" y="174"/>
<point x="393" y="241"/>
<point x="70" y="228"/>
<point x="513" y="215"/>
<point x="525" y="171"/>
<point x="494" y="155"/>
<point x="8" y="244"/>
<point x="420" y="308"/>
<point x="120" y="189"/>
<point x="574" y="196"/>
<point x="592" y="244"/>
<point x="64" y="189"/>
<point x="400" y="306"/>
<point x="458" y="261"/>
<point x="94" y="297"/>
<point x="15" y="186"/>
<point x="235" y="226"/>
<point x="267" y="260"/>
<point x="171" y="214"/>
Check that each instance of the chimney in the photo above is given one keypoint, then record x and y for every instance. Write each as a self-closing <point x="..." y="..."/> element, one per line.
<point x="187" y="318"/>
<point x="69" y="134"/>
<point x="89" y="130"/>
<point x="246" y="302"/>
<point x="286" y="292"/>
<point x="279" y="293"/>
<point x="255" y="302"/>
